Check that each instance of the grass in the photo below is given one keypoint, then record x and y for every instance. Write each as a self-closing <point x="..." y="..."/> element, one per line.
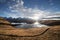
<point x="23" y="32"/>
<point x="28" y="34"/>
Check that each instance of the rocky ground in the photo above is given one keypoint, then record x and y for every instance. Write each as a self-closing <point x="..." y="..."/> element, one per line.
<point x="8" y="32"/>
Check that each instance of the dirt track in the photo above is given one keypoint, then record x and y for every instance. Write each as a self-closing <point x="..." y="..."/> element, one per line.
<point x="46" y="34"/>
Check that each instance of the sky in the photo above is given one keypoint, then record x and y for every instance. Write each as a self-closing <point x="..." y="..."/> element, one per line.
<point x="29" y="8"/>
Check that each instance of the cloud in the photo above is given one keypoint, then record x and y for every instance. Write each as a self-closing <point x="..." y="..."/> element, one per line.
<point x="11" y="14"/>
<point x="18" y="10"/>
<point x="53" y="16"/>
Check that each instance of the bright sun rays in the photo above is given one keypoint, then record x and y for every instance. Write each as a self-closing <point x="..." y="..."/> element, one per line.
<point x="21" y="11"/>
<point x="38" y="15"/>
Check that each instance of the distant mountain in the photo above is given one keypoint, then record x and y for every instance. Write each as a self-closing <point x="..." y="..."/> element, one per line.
<point x="20" y="20"/>
<point x="53" y="17"/>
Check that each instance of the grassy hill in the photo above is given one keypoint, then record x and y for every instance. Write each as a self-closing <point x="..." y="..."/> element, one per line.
<point x="7" y="32"/>
<point x="4" y="23"/>
<point x="43" y="33"/>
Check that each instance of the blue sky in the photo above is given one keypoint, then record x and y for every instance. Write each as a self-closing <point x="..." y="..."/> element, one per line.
<point x="29" y="8"/>
<point x="46" y="4"/>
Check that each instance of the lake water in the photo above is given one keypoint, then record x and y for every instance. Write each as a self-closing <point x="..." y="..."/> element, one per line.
<point x="25" y="25"/>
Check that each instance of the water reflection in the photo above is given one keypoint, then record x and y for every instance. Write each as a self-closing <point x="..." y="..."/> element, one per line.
<point x="25" y="25"/>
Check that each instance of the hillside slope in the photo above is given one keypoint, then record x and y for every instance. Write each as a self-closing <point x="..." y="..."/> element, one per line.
<point x="42" y="33"/>
<point x="4" y="23"/>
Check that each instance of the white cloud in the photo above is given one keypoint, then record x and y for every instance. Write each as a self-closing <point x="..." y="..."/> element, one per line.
<point x="22" y="11"/>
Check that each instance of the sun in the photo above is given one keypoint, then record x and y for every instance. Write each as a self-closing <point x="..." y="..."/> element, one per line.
<point x="37" y="16"/>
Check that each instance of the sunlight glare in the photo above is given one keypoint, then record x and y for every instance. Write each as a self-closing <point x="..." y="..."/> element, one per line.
<point x="38" y="15"/>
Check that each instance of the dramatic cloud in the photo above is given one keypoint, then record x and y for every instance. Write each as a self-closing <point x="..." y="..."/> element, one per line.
<point x="21" y="11"/>
<point x="18" y="10"/>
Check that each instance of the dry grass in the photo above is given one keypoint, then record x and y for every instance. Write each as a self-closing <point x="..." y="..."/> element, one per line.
<point x="4" y="21"/>
<point x="23" y="32"/>
<point x="52" y="33"/>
